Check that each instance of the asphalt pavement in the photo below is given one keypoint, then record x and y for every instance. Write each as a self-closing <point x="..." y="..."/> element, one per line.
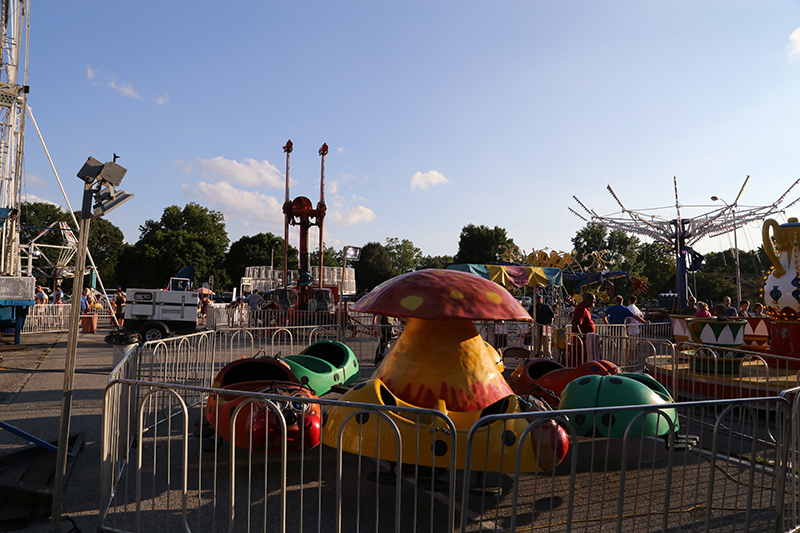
<point x="31" y="391"/>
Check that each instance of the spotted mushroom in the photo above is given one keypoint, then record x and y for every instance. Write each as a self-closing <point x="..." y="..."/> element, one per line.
<point x="440" y="354"/>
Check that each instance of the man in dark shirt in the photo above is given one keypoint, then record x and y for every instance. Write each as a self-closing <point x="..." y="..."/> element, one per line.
<point x="544" y="319"/>
<point x="691" y="306"/>
<point x="617" y="313"/>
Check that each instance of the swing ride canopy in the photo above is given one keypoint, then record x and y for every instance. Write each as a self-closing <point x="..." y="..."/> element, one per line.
<point x="509" y="275"/>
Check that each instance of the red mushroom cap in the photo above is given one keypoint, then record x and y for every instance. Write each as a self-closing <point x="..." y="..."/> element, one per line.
<point x="439" y="294"/>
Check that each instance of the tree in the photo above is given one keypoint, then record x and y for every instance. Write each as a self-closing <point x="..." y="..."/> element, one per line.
<point x="405" y="256"/>
<point x="374" y="267"/>
<point x="192" y="236"/>
<point x="480" y="244"/>
<point x="439" y="261"/>
<point x="656" y="261"/>
<point x="330" y="257"/>
<point x="256" y="250"/>
<point x="106" y="242"/>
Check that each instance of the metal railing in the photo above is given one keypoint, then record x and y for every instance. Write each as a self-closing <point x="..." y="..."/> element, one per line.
<point x="715" y="465"/>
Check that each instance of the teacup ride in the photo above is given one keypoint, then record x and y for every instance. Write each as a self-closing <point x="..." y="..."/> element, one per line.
<point x="719" y="335"/>
<point x="733" y="358"/>
<point x="680" y="329"/>
<point x="441" y="363"/>
<point x="255" y="425"/>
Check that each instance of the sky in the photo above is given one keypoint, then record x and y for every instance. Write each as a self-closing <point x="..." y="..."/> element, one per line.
<point x="438" y="114"/>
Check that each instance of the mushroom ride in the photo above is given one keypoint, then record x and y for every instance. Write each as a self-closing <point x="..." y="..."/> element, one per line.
<point x="440" y="362"/>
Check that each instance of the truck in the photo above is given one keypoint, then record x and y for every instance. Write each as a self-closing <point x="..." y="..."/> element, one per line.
<point x="157" y="313"/>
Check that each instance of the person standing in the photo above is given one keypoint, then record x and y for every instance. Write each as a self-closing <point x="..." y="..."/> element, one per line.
<point x="86" y="301"/>
<point x="254" y="301"/>
<point x="119" y="306"/>
<point x="633" y="329"/>
<point x="582" y="316"/>
<point x="40" y="297"/>
<point x="583" y="324"/>
<point x="617" y="313"/>
<point x="544" y="321"/>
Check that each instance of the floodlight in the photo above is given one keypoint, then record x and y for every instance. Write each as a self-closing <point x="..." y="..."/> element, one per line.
<point x="90" y="170"/>
<point x="352" y="253"/>
<point x="106" y="202"/>
<point x="112" y="173"/>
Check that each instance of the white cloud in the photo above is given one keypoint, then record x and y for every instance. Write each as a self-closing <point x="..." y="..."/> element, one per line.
<point x="99" y="78"/>
<point x="423" y="180"/>
<point x="33" y="199"/>
<point x="793" y="48"/>
<point x="341" y="150"/>
<point x="126" y="89"/>
<point x="352" y="216"/>
<point x="246" y="207"/>
<point x="34" y="181"/>
<point x="234" y="189"/>
<point x="247" y="173"/>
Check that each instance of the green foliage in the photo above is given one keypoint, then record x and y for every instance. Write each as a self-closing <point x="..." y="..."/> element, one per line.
<point x="480" y="244"/>
<point x="374" y="267"/>
<point x="106" y="241"/>
<point x="330" y="257"/>
<point x="439" y="261"/>
<point x="192" y="236"/>
<point x="405" y="256"/>
<point x="256" y="250"/>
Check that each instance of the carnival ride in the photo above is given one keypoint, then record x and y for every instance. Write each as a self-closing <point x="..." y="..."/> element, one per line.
<point x="614" y="391"/>
<point x="256" y="425"/>
<point x="325" y="365"/>
<point x="301" y="212"/>
<point x="753" y="355"/>
<point x="440" y="362"/>
<point x="681" y="233"/>
<point x="546" y="378"/>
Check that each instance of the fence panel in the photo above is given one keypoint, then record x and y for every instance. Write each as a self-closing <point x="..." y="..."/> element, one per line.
<point x="721" y="465"/>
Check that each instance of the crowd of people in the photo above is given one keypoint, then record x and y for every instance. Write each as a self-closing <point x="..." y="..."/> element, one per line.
<point x="722" y="310"/>
<point x="90" y="300"/>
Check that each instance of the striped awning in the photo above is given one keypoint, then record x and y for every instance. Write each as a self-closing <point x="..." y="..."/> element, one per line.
<point x="513" y="275"/>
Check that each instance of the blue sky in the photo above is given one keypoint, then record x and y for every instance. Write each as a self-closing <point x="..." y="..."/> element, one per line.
<point x="438" y="114"/>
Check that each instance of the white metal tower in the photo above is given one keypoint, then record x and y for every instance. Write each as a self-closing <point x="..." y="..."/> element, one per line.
<point x="13" y="102"/>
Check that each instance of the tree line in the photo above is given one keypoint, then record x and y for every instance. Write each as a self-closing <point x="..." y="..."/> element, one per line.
<point x="193" y="235"/>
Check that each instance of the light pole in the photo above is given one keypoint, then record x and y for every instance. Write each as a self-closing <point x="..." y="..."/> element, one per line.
<point x="732" y="207"/>
<point x="271" y="263"/>
<point x="100" y="182"/>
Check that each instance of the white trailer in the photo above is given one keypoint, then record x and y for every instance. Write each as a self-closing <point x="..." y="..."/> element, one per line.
<point x="157" y="313"/>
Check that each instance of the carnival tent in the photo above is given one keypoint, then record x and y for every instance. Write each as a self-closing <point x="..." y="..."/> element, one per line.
<point x="509" y="275"/>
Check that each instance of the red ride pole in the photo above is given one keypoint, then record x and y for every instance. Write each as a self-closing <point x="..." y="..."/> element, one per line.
<point x="323" y="151"/>
<point x="287" y="210"/>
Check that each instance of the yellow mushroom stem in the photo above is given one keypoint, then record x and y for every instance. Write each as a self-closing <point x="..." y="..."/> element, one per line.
<point x="443" y="359"/>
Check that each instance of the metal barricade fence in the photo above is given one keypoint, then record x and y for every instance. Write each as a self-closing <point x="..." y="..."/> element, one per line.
<point x="717" y="469"/>
<point x="719" y="465"/>
<point x="44" y="318"/>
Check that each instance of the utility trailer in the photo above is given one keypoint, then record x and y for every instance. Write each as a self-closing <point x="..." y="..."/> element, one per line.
<point x="156" y="313"/>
